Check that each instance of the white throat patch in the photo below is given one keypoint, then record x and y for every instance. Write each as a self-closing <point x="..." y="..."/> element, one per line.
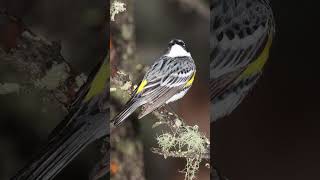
<point x="177" y="51"/>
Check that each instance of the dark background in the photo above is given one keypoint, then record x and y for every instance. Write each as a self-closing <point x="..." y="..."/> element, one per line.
<point x="274" y="134"/>
<point x="24" y="124"/>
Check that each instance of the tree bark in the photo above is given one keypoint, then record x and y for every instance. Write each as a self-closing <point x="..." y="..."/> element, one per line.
<point x="126" y="148"/>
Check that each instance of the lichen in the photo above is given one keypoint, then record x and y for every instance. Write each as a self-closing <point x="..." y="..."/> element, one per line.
<point x="113" y="89"/>
<point x="7" y="88"/>
<point x="116" y="8"/>
<point x="185" y="142"/>
<point x="80" y="80"/>
<point x="126" y="86"/>
<point x="53" y="78"/>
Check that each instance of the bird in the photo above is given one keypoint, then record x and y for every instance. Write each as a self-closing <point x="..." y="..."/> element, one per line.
<point x="86" y="122"/>
<point x="167" y="80"/>
<point x="241" y="35"/>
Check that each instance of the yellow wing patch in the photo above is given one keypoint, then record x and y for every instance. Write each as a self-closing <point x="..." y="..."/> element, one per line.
<point x="141" y="86"/>
<point x="257" y="65"/>
<point x="189" y="83"/>
<point x="99" y="82"/>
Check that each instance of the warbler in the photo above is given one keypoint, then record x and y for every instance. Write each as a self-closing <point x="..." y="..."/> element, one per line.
<point x="241" y="34"/>
<point x="168" y="79"/>
<point x="87" y="121"/>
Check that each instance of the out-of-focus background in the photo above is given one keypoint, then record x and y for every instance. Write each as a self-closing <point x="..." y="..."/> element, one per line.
<point x="24" y="124"/>
<point x="157" y="22"/>
<point x="274" y="134"/>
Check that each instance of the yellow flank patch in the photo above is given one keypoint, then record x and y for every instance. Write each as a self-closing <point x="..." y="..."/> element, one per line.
<point x="257" y="65"/>
<point x="189" y="83"/>
<point x="99" y="82"/>
<point x="142" y="85"/>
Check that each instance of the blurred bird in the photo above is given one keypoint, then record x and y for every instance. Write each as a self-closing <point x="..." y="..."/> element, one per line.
<point x="86" y="122"/>
<point x="168" y="80"/>
<point x="241" y="33"/>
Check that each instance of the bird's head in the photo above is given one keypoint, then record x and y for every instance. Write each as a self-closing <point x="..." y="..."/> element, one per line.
<point x="177" y="48"/>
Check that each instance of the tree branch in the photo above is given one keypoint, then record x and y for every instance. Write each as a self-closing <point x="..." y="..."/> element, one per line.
<point x="127" y="150"/>
<point x="37" y="65"/>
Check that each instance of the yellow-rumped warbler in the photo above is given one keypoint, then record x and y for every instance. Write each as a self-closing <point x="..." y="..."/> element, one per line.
<point x="86" y="122"/>
<point x="241" y="33"/>
<point x="168" y="80"/>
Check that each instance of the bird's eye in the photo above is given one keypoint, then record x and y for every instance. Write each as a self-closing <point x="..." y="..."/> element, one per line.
<point x="182" y="43"/>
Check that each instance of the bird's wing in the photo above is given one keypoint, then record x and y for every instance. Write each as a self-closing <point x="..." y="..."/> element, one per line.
<point x="239" y="32"/>
<point x="219" y="85"/>
<point x="75" y="132"/>
<point x="160" y="84"/>
<point x="64" y="147"/>
<point x="241" y="36"/>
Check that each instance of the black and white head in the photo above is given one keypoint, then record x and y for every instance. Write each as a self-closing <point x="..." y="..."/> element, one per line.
<point x="177" y="48"/>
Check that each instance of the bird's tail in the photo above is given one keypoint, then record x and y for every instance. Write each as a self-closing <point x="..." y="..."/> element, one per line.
<point x="63" y="148"/>
<point x="129" y="108"/>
